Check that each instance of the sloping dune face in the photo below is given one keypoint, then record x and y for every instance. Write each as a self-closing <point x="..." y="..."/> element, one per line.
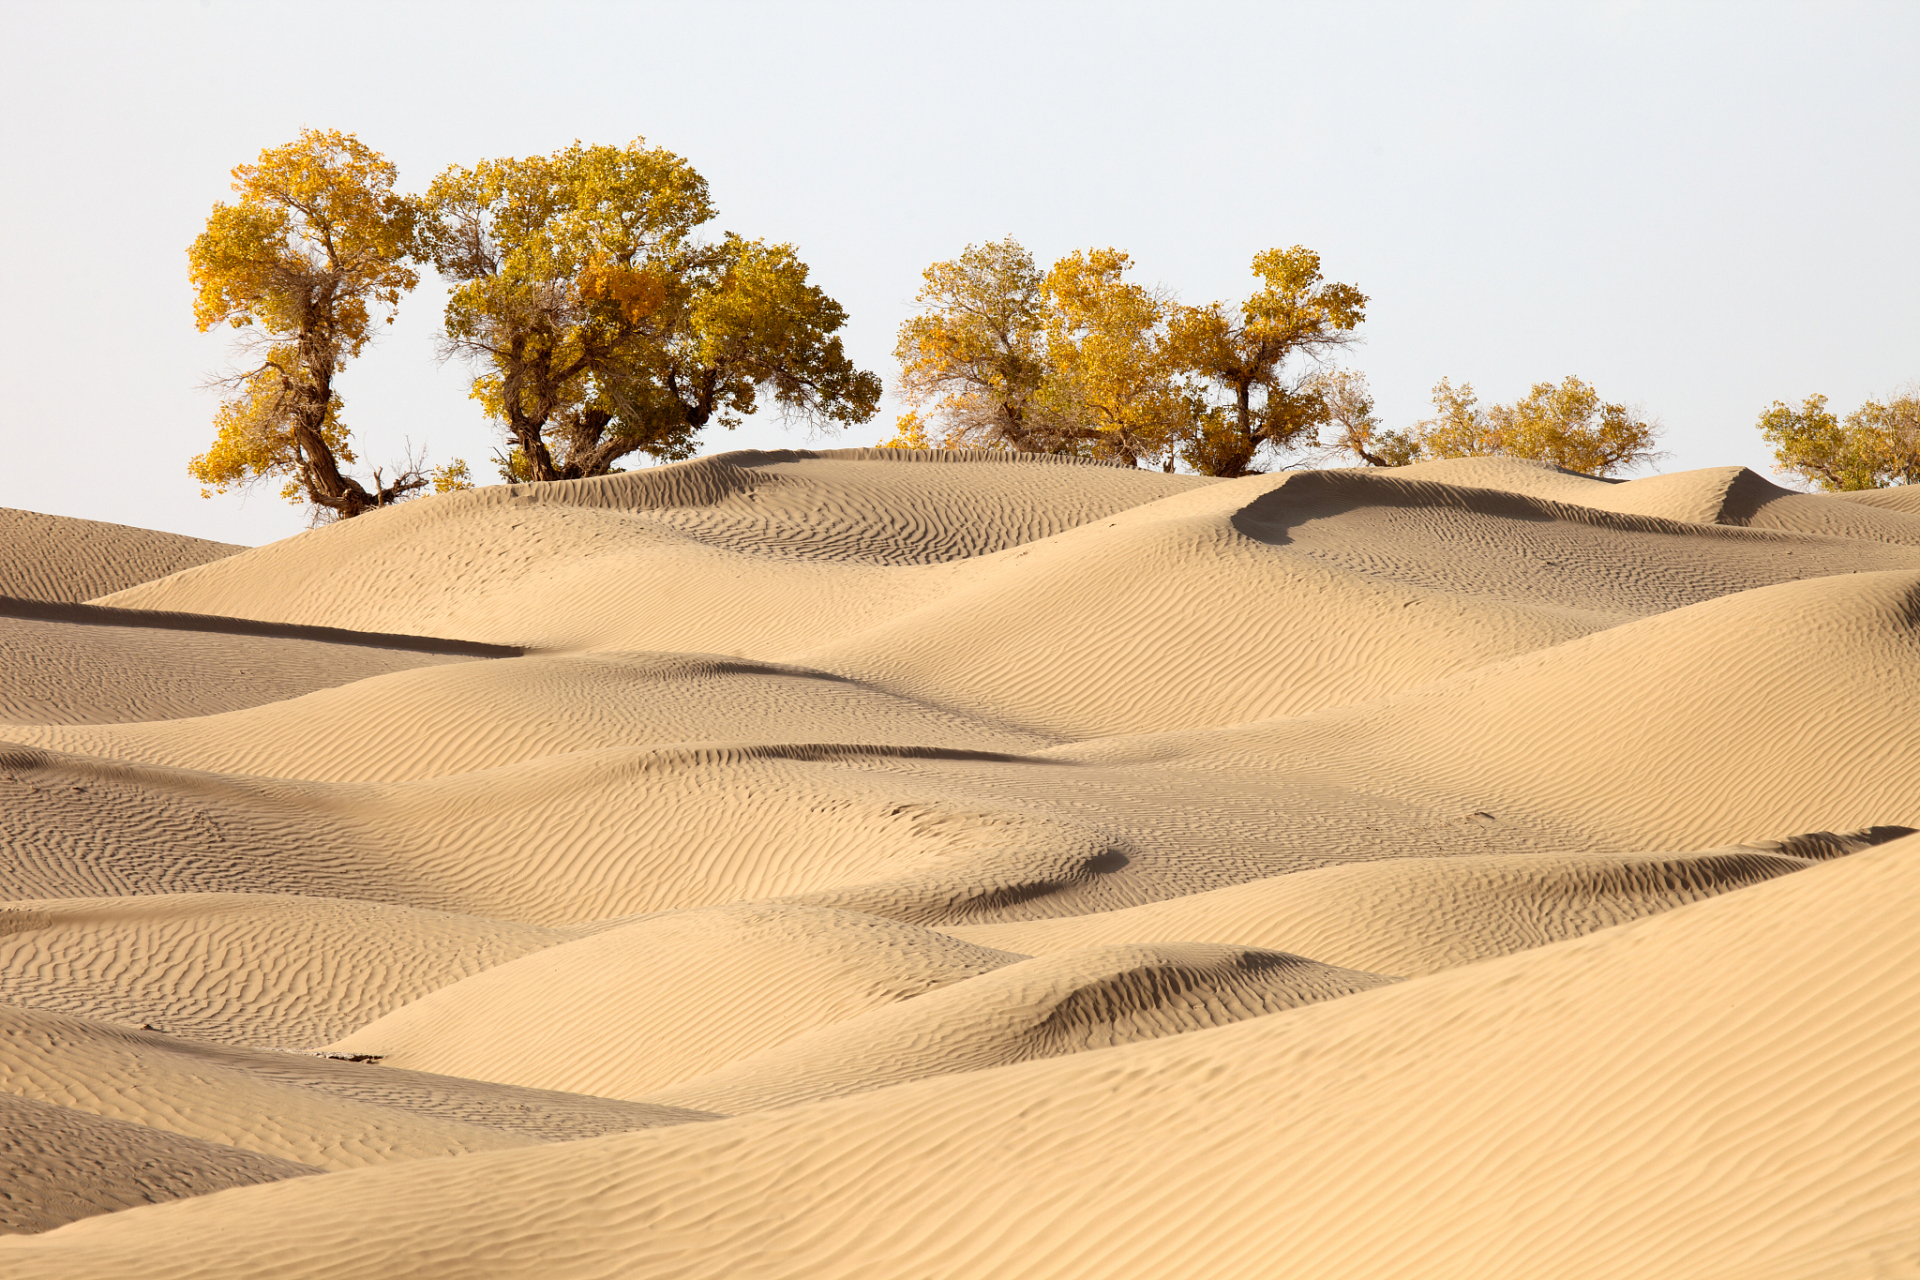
<point x="55" y="558"/>
<point x="952" y="864"/>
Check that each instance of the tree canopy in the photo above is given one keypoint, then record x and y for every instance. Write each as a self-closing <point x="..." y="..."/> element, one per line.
<point x="1347" y="402"/>
<point x="1875" y="447"/>
<point x="1568" y="425"/>
<point x="314" y="249"/>
<point x="1082" y="359"/>
<point x="1113" y="387"/>
<point x="601" y="326"/>
<point x="975" y="358"/>
<point x="600" y="323"/>
<point x="1273" y="400"/>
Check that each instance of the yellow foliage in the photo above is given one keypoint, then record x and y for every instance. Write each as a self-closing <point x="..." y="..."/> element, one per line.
<point x="638" y="292"/>
<point x="975" y="358"/>
<point x="1877" y="446"/>
<point x="760" y="323"/>
<point x="1567" y="425"/>
<point x="1294" y="313"/>
<point x="599" y="327"/>
<point x="316" y="241"/>
<point x="1113" y="382"/>
<point x="454" y="477"/>
<point x="1080" y="359"/>
<point x="253" y="440"/>
<point x="909" y="432"/>
<point x="1347" y="403"/>
<point x="317" y="229"/>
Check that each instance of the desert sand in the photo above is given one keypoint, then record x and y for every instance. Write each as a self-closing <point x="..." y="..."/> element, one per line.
<point x="866" y="863"/>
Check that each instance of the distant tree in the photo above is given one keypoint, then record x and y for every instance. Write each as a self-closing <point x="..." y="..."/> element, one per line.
<point x="602" y="327"/>
<point x="1348" y="405"/>
<point x="909" y="432"/>
<point x="453" y="477"/>
<point x="1459" y="427"/>
<point x="975" y="358"/>
<point x="1113" y="387"/>
<point x="1877" y="446"/>
<point x="1267" y="360"/>
<point x="315" y="245"/>
<point x="1567" y="425"/>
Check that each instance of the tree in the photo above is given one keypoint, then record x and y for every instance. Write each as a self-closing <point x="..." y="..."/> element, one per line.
<point x="1113" y="386"/>
<point x="909" y="432"/>
<point x="600" y="325"/>
<point x="1270" y="406"/>
<point x="1082" y="360"/>
<point x="1567" y="425"/>
<point x="1877" y="446"/>
<point x="975" y="358"/>
<point x="1075" y="360"/>
<point x="1348" y="405"/>
<point x="1459" y="428"/>
<point x="315" y="245"/>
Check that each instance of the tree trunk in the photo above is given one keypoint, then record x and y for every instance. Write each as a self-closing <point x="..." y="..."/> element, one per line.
<point x="533" y="446"/>
<point x="326" y="485"/>
<point x="1014" y="429"/>
<point x="528" y="428"/>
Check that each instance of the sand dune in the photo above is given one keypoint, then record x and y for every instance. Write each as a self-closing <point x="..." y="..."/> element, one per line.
<point x="436" y="721"/>
<point x="1280" y="595"/>
<point x="1409" y="916"/>
<point x="1759" y="504"/>
<point x="1779" y="709"/>
<point x="275" y="970"/>
<point x="1567" y="1111"/>
<point x="312" y="1110"/>
<point x="1905" y="499"/>
<point x="871" y="863"/>
<point x="60" y="1165"/>
<point x="1067" y="1003"/>
<point x="1696" y="496"/>
<point x="745" y="552"/>
<point x="1688" y="725"/>
<point x="630" y="1010"/>
<point x="82" y="664"/>
<point x="1712" y="495"/>
<point x="46" y="557"/>
<point x="926" y="835"/>
<point x="1236" y="591"/>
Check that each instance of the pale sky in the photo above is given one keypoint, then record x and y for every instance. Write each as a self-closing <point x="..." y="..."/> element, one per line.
<point x="1699" y="208"/>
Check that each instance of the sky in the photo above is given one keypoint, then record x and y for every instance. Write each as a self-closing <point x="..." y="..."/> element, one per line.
<point x="1697" y="208"/>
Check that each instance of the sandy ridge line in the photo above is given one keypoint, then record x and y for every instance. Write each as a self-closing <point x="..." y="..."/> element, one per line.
<point x="718" y="474"/>
<point x="99" y="615"/>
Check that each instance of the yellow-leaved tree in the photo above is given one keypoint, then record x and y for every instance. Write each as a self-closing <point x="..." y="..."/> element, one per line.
<point x="1072" y="360"/>
<point x="599" y="324"/>
<point x="1269" y="359"/>
<point x="1875" y="447"/>
<point x="316" y="245"/>
<point x="909" y="432"/>
<point x="1568" y="425"/>
<point x="1114" y="386"/>
<point x="1347" y="403"/>
<point x="1080" y="359"/>
<point x="975" y="357"/>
